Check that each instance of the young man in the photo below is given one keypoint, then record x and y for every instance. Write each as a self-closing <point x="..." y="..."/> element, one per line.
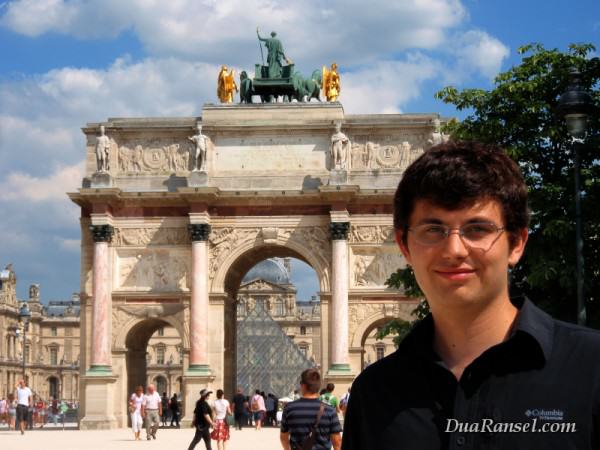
<point x="483" y="370"/>
<point x="24" y="402"/>
<point x="151" y="411"/>
<point x="300" y="416"/>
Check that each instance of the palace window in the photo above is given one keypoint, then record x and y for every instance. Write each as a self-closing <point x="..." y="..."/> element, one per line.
<point x="54" y="331"/>
<point x="161" y="331"/>
<point x="380" y="349"/>
<point x="160" y="355"/>
<point x="303" y="330"/>
<point x="304" y="349"/>
<point x="279" y="309"/>
<point x="53" y="356"/>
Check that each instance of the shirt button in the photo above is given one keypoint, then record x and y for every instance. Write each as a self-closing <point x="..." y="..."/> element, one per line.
<point x="460" y="440"/>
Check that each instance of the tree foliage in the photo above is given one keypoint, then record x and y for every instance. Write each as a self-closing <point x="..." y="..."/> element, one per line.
<point x="520" y="114"/>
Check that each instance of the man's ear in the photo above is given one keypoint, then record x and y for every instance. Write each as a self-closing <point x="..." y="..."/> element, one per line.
<point x="403" y="247"/>
<point x="518" y="246"/>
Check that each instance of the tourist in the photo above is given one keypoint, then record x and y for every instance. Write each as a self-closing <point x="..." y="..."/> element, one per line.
<point x="308" y="422"/>
<point x="135" y="410"/>
<point x="151" y="411"/>
<point x="330" y="399"/>
<point x="344" y="402"/>
<point x="240" y="406"/>
<point x="481" y="355"/>
<point x="24" y="401"/>
<point x="40" y="412"/>
<point x="164" y="400"/>
<point x="221" y="428"/>
<point x="270" y="406"/>
<point x="257" y="406"/>
<point x="174" y="407"/>
<point x="54" y="410"/>
<point x="202" y="421"/>
<point x="3" y="411"/>
<point x="12" y="412"/>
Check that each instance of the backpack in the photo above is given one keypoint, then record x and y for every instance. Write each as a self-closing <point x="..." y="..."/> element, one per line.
<point x="309" y="440"/>
<point x="254" y="406"/>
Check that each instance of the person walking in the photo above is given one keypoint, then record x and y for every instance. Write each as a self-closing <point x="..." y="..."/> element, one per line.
<point x="12" y="412"/>
<point x="309" y="422"/>
<point x="202" y="421"/>
<point x="135" y="410"/>
<point x="164" y="400"/>
<point x="174" y="407"/>
<point x="257" y="406"/>
<point x="240" y="406"/>
<point x="24" y="401"/>
<point x="54" y="410"/>
<point x="221" y="430"/>
<point x="151" y="411"/>
<point x="3" y="410"/>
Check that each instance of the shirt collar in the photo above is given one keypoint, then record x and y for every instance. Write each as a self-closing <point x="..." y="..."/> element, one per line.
<point x="530" y="320"/>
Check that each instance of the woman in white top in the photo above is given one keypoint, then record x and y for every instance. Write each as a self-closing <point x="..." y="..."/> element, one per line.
<point x="135" y="408"/>
<point x="221" y="430"/>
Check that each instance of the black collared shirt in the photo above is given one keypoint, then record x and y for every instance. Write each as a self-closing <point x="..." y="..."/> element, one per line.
<point x="539" y="389"/>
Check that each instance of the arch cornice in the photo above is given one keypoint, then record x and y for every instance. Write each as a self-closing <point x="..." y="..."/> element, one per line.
<point x="366" y="325"/>
<point x="120" y="334"/>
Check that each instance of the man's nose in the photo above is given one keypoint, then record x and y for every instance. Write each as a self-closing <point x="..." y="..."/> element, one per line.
<point x="454" y="244"/>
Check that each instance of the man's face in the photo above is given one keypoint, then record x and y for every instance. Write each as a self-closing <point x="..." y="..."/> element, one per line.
<point x="453" y="274"/>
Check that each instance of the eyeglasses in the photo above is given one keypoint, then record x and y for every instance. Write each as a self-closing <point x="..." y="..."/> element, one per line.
<point x="480" y="235"/>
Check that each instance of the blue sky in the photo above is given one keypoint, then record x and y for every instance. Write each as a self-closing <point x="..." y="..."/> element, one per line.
<point x="64" y="63"/>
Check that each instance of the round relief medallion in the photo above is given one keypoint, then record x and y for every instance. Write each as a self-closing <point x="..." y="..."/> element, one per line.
<point x="388" y="156"/>
<point x="154" y="158"/>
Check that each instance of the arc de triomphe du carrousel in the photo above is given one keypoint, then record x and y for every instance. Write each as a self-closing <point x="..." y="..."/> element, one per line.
<point x="175" y="211"/>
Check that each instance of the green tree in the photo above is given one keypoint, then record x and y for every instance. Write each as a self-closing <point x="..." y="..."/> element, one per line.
<point x="520" y="114"/>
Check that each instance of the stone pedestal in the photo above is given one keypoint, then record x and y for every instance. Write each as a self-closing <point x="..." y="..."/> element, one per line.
<point x="101" y="180"/>
<point x="198" y="178"/>
<point x="192" y="385"/>
<point x="99" y="392"/>
<point x="338" y="177"/>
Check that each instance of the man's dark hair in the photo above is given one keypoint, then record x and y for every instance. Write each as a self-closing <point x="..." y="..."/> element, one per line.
<point x="220" y="393"/>
<point x="311" y="379"/>
<point x="455" y="175"/>
<point x="330" y="387"/>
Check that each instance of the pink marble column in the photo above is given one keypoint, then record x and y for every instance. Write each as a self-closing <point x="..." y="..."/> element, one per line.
<point x="339" y="300"/>
<point x="101" y="307"/>
<point x="199" y="300"/>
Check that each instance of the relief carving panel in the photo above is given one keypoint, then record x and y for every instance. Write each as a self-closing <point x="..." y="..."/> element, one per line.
<point x="154" y="270"/>
<point x="154" y="156"/>
<point x="371" y="233"/>
<point x="143" y="237"/>
<point x="371" y="267"/>
<point x="369" y="152"/>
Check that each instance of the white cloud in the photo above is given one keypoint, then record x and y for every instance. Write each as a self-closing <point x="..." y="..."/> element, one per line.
<point x="384" y="86"/>
<point x="69" y="245"/>
<point x="478" y="52"/>
<point x="350" y="32"/>
<point x="24" y="187"/>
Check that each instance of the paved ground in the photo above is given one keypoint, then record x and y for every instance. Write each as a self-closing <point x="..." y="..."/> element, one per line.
<point x="167" y="439"/>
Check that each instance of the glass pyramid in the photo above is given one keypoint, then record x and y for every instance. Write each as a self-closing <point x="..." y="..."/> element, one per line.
<point x="267" y="359"/>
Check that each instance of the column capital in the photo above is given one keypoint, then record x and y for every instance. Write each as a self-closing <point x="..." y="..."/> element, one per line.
<point x="339" y="230"/>
<point x="199" y="231"/>
<point x="102" y="233"/>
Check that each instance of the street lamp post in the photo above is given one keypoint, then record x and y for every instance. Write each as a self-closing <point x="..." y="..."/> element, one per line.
<point x="24" y="315"/>
<point x="575" y="105"/>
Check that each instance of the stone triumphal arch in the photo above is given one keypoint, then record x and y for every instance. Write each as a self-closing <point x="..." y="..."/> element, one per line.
<point x="178" y="210"/>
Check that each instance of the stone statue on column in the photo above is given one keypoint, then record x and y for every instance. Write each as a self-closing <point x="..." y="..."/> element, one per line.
<point x="201" y="142"/>
<point x="103" y="151"/>
<point x="340" y="148"/>
<point x="437" y="137"/>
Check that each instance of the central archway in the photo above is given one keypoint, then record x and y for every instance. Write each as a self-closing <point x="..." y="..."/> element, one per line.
<point x="232" y="281"/>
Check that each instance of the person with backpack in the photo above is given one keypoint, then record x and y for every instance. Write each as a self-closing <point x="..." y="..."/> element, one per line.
<point x="329" y="398"/>
<point x="258" y="409"/>
<point x="308" y="423"/>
